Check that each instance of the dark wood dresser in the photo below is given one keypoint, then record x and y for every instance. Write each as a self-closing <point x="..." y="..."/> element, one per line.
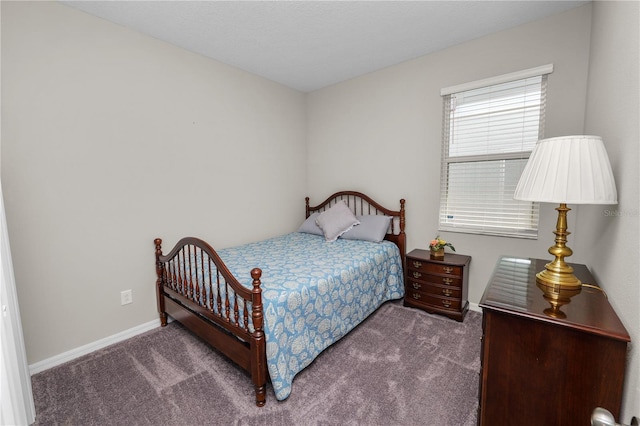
<point x="437" y="286"/>
<point x="539" y="370"/>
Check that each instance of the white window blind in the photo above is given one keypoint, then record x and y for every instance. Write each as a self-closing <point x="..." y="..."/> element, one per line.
<point x="488" y="135"/>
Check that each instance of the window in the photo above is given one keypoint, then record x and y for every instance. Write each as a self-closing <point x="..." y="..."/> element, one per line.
<point x="490" y="128"/>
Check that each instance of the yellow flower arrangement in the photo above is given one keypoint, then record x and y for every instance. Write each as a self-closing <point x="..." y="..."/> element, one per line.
<point x="438" y="243"/>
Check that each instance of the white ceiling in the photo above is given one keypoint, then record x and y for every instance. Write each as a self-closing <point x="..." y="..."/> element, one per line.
<point x="307" y="45"/>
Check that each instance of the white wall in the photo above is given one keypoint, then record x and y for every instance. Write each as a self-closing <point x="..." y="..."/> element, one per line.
<point x="393" y="118"/>
<point x="608" y="235"/>
<point x="111" y="138"/>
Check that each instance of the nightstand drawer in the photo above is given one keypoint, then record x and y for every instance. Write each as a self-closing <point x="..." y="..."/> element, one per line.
<point x="435" y="279"/>
<point x="433" y="268"/>
<point x="440" y="290"/>
<point x="433" y="301"/>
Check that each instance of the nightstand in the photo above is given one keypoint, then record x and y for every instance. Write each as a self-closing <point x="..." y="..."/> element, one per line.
<point x="437" y="286"/>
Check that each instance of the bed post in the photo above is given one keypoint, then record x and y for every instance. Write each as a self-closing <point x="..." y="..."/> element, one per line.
<point x="159" y="283"/>
<point x="306" y="202"/>
<point x="402" y="237"/>
<point x="402" y="219"/>
<point x="258" y="350"/>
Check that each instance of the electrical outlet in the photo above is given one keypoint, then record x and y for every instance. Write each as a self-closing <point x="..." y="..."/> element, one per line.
<point x="126" y="297"/>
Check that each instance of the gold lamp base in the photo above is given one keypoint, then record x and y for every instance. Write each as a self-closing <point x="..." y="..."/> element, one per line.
<point x="557" y="297"/>
<point x="557" y="281"/>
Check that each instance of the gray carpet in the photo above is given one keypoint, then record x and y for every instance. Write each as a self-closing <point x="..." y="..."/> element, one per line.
<point x="401" y="366"/>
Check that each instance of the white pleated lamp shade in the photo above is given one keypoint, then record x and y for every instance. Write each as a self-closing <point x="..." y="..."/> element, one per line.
<point x="570" y="170"/>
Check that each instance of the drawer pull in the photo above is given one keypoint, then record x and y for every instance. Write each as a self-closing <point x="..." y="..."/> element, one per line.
<point x="447" y="280"/>
<point x="446" y="303"/>
<point x="447" y="269"/>
<point x="416" y="286"/>
<point x="416" y="296"/>
<point x="417" y="264"/>
<point x="447" y="292"/>
<point x="417" y="275"/>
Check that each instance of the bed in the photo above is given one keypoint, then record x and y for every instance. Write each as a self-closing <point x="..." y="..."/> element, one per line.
<point x="273" y="306"/>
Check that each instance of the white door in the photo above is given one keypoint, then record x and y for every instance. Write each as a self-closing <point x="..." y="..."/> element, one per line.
<point x="16" y="398"/>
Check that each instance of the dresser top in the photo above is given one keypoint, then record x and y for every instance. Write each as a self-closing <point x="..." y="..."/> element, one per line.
<point x="449" y="258"/>
<point x="512" y="289"/>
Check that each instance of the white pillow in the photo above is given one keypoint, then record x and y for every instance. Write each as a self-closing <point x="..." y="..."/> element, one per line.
<point x="309" y="226"/>
<point x="372" y="228"/>
<point x="336" y="221"/>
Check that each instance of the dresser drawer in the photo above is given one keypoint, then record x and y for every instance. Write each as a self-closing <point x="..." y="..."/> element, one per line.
<point x="452" y="280"/>
<point x="439" y="290"/>
<point x="433" y="301"/>
<point x="433" y="268"/>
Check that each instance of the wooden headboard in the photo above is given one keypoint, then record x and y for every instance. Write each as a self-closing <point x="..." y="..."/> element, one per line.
<point x="361" y="204"/>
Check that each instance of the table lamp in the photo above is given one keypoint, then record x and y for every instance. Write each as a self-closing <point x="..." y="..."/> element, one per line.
<point x="565" y="170"/>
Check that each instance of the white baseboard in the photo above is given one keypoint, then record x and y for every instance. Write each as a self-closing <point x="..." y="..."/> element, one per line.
<point x="94" y="346"/>
<point x="118" y="337"/>
<point x="475" y="307"/>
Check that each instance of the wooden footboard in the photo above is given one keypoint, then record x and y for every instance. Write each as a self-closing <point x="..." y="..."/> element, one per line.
<point x="195" y="287"/>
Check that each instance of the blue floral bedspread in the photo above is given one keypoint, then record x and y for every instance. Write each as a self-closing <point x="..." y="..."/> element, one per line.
<point x="314" y="293"/>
